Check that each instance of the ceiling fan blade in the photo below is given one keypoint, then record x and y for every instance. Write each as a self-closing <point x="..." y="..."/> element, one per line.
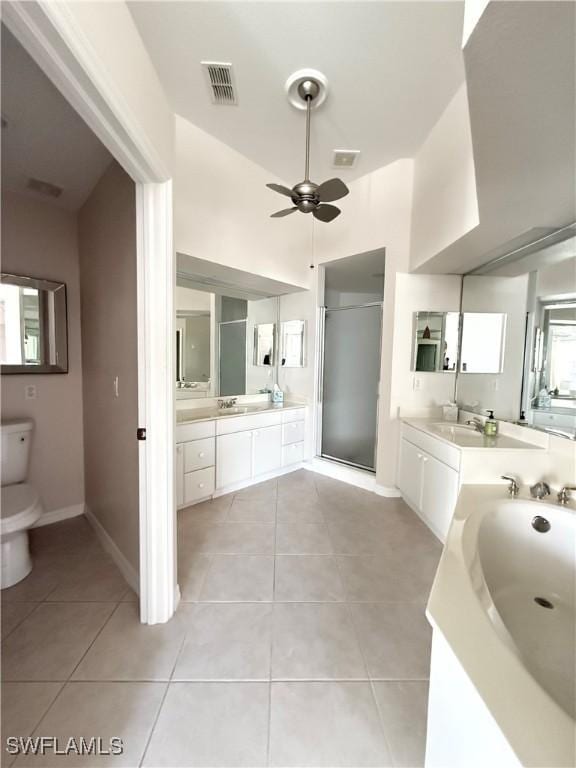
<point x="279" y="188"/>
<point x="330" y="190"/>
<point x="326" y="212"/>
<point x="284" y="212"/>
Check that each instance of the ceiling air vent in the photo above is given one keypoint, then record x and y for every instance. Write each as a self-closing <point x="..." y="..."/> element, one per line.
<point x="345" y="158"/>
<point x="44" y="188"/>
<point x="220" y="81"/>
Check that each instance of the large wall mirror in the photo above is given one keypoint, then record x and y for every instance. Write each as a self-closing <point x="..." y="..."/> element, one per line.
<point x="33" y="325"/>
<point x="435" y="342"/>
<point x="482" y="343"/>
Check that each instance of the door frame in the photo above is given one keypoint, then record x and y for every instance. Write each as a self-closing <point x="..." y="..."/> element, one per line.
<point x="50" y="36"/>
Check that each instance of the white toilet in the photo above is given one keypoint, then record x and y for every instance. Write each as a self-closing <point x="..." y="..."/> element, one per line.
<point x="21" y="505"/>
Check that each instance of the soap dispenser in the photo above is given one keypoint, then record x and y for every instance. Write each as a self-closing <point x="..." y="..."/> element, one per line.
<point x="490" y="425"/>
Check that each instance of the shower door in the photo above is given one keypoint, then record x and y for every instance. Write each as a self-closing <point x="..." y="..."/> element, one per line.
<point x="350" y="380"/>
<point x="232" y="358"/>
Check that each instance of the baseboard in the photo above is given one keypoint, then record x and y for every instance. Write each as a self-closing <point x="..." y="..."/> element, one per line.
<point x="57" y="515"/>
<point x="126" y="568"/>
<point x="391" y="492"/>
<point x="358" y="477"/>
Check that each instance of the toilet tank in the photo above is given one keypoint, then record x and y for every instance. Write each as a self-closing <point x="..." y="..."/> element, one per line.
<point x="16" y="442"/>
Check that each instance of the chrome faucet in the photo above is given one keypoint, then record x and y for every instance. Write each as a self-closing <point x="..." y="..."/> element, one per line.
<point x="564" y="495"/>
<point x="478" y="424"/>
<point x="230" y="402"/>
<point x="540" y="490"/>
<point x="513" y="488"/>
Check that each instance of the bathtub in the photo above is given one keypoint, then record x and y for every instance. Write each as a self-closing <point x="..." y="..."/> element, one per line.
<point x="502" y="608"/>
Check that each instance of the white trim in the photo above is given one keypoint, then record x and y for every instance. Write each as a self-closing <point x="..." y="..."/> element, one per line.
<point x="255" y="480"/>
<point x="350" y="475"/>
<point x="156" y="402"/>
<point x="56" y="515"/>
<point x="124" y="565"/>
<point x="391" y="492"/>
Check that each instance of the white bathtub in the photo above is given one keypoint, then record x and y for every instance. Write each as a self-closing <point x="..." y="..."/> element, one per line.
<point x="503" y="664"/>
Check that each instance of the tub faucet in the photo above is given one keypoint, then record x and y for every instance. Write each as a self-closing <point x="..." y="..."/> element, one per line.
<point x="513" y="488"/>
<point x="564" y="495"/>
<point x="477" y="424"/>
<point x="540" y="490"/>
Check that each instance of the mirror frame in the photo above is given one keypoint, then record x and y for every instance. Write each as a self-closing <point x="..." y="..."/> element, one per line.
<point x="61" y="344"/>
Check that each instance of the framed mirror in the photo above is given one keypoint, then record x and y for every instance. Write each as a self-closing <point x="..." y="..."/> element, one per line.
<point x="264" y="343"/>
<point x="292" y="343"/>
<point x="435" y="342"/>
<point x="482" y="346"/>
<point x="33" y="325"/>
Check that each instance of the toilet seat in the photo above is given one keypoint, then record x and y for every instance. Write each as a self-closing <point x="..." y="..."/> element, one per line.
<point x="21" y="507"/>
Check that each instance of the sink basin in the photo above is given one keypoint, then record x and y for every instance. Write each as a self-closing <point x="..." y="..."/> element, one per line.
<point x="454" y="429"/>
<point x="239" y="409"/>
<point x="466" y="436"/>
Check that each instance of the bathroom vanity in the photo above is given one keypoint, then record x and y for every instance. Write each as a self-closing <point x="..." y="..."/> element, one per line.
<point x="436" y="458"/>
<point x="221" y="450"/>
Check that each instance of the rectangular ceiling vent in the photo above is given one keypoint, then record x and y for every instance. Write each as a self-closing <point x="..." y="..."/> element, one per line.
<point x="345" y="158"/>
<point x="44" y="188"/>
<point x="220" y="82"/>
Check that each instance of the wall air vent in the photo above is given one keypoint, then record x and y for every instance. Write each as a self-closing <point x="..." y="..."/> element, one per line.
<point x="44" y="188"/>
<point x="220" y="79"/>
<point x="345" y="158"/>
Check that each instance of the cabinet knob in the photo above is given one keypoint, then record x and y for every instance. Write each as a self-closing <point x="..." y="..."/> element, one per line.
<point x="201" y="455"/>
<point x="419" y="455"/>
<point x="200" y="485"/>
<point x="424" y="458"/>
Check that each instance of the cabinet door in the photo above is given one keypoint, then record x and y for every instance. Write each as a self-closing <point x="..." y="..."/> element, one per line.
<point x="439" y="494"/>
<point x="179" y="475"/>
<point x="233" y="458"/>
<point x="267" y="449"/>
<point x="410" y="473"/>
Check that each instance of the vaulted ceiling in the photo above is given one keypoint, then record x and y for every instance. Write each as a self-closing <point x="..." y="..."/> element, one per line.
<point x="392" y="68"/>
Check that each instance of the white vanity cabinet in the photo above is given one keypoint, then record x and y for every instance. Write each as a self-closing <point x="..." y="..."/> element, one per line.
<point x="234" y="453"/>
<point x="429" y="478"/>
<point x="195" y="462"/>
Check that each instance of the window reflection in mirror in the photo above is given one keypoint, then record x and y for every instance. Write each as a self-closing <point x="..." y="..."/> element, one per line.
<point x="556" y="361"/>
<point x="33" y="325"/>
<point x="264" y="339"/>
<point x="292" y="343"/>
<point x="435" y="347"/>
<point x="482" y="348"/>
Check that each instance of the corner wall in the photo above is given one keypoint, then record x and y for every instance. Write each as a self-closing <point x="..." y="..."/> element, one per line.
<point x="107" y="243"/>
<point x="40" y="240"/>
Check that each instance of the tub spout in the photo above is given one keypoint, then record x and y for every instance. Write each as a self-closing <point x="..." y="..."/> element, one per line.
<point x="540" y="490"/>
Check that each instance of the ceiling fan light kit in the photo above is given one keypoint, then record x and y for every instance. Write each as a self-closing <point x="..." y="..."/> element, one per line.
<point x="306" y="89"/>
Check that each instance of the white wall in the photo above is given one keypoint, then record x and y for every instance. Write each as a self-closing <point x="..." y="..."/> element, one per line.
<point x="500" y="392"/>
<point x="40" y="240"/>
<point x="445" y="205"/>
<point x="557" y="280"/>
<point x="376" y="215"/>
<point x="190" y="300"/>
<point x="420" y="293"/>
<point x="222" y="211"/>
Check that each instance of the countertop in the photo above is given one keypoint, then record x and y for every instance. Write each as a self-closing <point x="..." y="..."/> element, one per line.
<point x="467" y="439"/>
<point x="211" y="413"/>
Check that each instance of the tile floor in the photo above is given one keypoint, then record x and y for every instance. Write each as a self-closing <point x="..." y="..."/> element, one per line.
<point x="300" y="640"/>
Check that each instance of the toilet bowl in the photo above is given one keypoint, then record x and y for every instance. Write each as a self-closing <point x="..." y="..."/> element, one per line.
<point x="21" y="506"/>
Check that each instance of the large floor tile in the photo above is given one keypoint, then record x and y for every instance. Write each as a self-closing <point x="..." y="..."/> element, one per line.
<point x="14" y="614"/>
<point x="123" y="710"/>
<point x="226" y="641"/>
<point x="325" y="724"/>
<point x="403" y="709"/>
<point x="395" y="639"/>
<point x="23" y="706"/>
<point x="302" y="539"/>
<point x="266" y="490"/>
<point x="397" y="576"/>
<point x="354" y="536"/>
<point x="253" y="510"/>
<point x="192" y="570"/>
<point x="75" y="536"/>
<point x="45" y="576"/>
<point x="299" y="507"/>
<point x="129" y="650"/>
<point x="244" y="539"/>
<point x="211" y="725"/>
<point x="51" y="641"/>
<point x="307" y="578"/>
<point x="89" y="578"/>
<point x="315" y="641"/>
<point x="212" y="511"/>
<point x="239" y="578"/>
<point x="300" y="481"/>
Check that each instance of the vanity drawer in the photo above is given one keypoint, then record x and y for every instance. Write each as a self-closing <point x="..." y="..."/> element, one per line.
<point x="293" y="432"/>
<point x="448" y="454"/>
<point x="198" y="485"/>
<point x="198" y="431"/>
<point x="292" y="454"/>
<point x="199" y="454"/>
<point x="297" y="414"/>
<point x="554" y="419"/>
<point x="245" y="423"/>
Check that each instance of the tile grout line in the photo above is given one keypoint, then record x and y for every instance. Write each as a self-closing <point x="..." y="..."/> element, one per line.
<point x="97" y="635"/>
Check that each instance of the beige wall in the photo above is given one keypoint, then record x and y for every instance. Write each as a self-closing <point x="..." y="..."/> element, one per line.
<point x="40" y="240"/>
<point x="107" y="240"/>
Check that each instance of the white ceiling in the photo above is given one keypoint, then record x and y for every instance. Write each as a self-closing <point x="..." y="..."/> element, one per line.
<point x="44" y="137"/>
<point x="392" y="69"/>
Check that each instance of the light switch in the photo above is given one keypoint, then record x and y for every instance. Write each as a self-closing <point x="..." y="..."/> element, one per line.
<point x="116" y="387"/>
<point x="30" y="392"/>
<point x="417" y="384"/>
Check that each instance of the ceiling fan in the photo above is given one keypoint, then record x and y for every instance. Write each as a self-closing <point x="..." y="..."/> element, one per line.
<point x="307" y="196"/>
